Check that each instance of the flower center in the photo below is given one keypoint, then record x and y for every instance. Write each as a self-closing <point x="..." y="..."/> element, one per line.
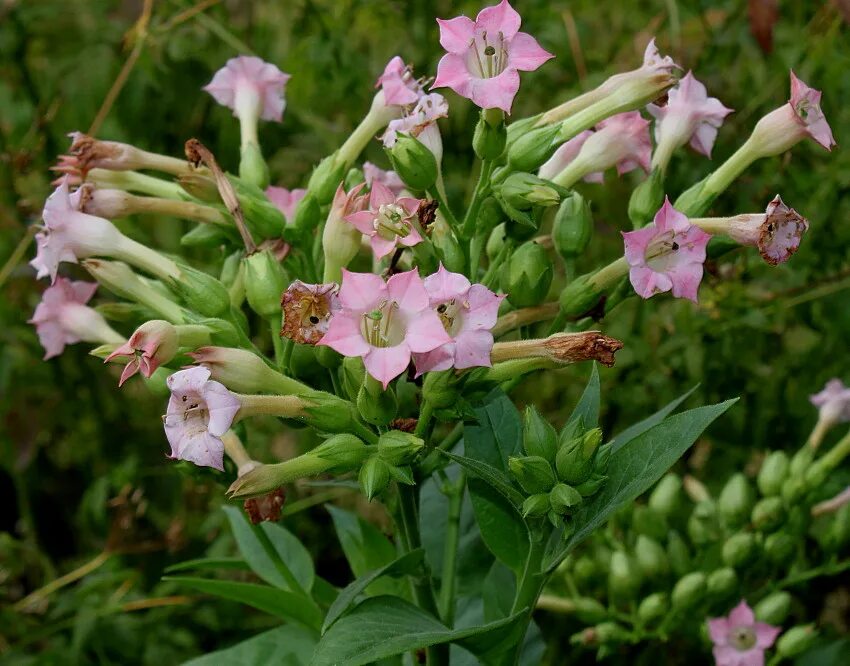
<point x="391" y="222"/>
<point x="451" y="315"/>
<point x="385" y="326"/>
<point x="742" y="638"/>
<point x="487" y="56"/>
<point x="196" y="417"/>
<point x="663" y="252"/>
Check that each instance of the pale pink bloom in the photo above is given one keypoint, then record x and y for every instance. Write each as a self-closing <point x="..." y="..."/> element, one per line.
<point x="70" y="235"/>
<point x="468" y="313"/>
<point x="152" y="344"/>
<point x="421" y="123"/>
<point x="564" y="155"/>
<point x="738" y="639"/>
<point x="389" y="220"/>
<point x="63" y="318"/>
<point x="199" y="412"/>
<point x="398" y="84"/>
<point x="777" y="233"/>
<point x="690" y="115"/>
<point x="286" y="200"/>
<point x="833" y="402"/>
<point x="622" y="141"/>
<point x="307" y="311"/>
<point x="666" y="255"/>
<point x="484" y="56"/>
<point x="806" y="104"/>
<point x="389" y="178"/>
<point x="384" y="322"/>
<point x="653" y="61"/>
<point x="251" y="86"/>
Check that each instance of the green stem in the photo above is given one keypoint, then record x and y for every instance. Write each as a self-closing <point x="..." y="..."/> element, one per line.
<point x="275" y="324"/>
<point x="529" y="587"/>
<point x="492" y="272"/>
<point x="481" y="188"/>
<point x="449" y="575"/>
<point x="288" y="346"/>
<point x="426" y="413"/>
<point x="439" y="196"/>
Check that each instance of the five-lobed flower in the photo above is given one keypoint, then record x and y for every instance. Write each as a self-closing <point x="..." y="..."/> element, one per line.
<point x="738" y="639"/>
<point x="389" y="221"/>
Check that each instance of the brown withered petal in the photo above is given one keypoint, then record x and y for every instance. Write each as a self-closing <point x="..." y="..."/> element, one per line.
<point x="266" y="507"/>
<point x="307" y="310"/>
<point x="405" y="425"/>
<point x="781" y="233"/>
<point x="592" y="345"/>
<point x="427" y="212"/>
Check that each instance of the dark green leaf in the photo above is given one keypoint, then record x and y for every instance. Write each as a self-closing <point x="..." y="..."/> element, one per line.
<point x="204" y="563"/>
<point x="285" y="646"/>
<point x="587" y="408"/>
<point x="491" y="475"/>
<point x="502" y="528"/>
<point x="498" y="433"/>
<point x="642" y="426"/>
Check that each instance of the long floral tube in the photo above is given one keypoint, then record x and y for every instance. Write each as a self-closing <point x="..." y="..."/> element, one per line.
<point x="112" y="204"/>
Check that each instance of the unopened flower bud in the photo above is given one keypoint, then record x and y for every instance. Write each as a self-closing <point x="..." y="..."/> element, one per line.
<point x="308" y="214"/>
<point x="413" y="162"/>
<point x="650" y="557"/>
<point x="589" y="610"/>
<point x="120" y="279"/>
<point x="202" y="292"/>
<point x="722" y="584"/>
<point x="564" y="498"/>
<point x="329" y="413"/>
<point x="579" y="297"/>
<point x="265" y="282"/>
<point x="647" y="198"/>
<point x="440" y="390"/>
<point x="666" y="496"/>
<point x="343" y="451"/>
<point x="399" y="448"/>
<point x="353" y="373"/>
<point x="374" y="477"/>
<point x="649" y="522"/>
<point x="774" y="608"/>
<point x="678" y="554"/>
<point x="490" y="136"/>
<point x="769" y="514"/>
<point x="539" y="438"/>
<point x="527" y="275"/>
<point x="245" y="372"/>
<point x="739" y="550"/>
<point x="736" y="500"/>
<point x="773" y="472"/>
<point x="447" y="245"/>
<point x="796" y="640"/>
<point x="574" y="460"/>
<point x="533" y="473"/>
<point x="593" y="485"/>
<point x="688" y="591"/>
<point x="262" y="216"/>
<point x="573" y="226"/>
<point x="376" y="405"/>
<point x="324" y="180"/>
<point x="523" y="190"/>
<point x="703" y="524"/>
<point x="535" y="505"/>
<point x="779" y="547"/>
<point x="533" y="148"/>
<point x="624" y="578"/>
<point x="652" y="608"/>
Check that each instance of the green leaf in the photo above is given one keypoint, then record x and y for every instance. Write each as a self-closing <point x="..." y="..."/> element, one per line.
<point x="403" y="566"/>
<point x="289" y="645"/>
<point x="498" y="433"/>
<point x="268" y="557"/>
<point x="635" y="467"/>
<point x="204" y="563"/>
<point x="587" y="408"/>
<point x="642" y="426"/>
<point x="382" y="627"/>
<point x="502" y="528"/>
<point x="280" y="603"/>
<point x="498" y="480"/>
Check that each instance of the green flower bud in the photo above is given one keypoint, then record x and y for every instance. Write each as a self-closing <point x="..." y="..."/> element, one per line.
<point x="667" y="495"/>
<point x="646" y="199"/>
<point x="648" y="521"/>
<point x="693" y="202"/>
<point x="230" y="268"/>
<point x="123" y="311"/>
<point x="689" y="591"/>
<point x="739" y="550"/>
<point x="774" y="608"/>
<point x="573" y="226"/>
<point x="796" y="640"/>
<point x="575" y="458"/>
<point x="413" y="162"/>
<point x="308" y="215"/>
<point x="678" y="554"/>
<point x="533" y="473"/>
<point x="329" y="413"/>
<point x="703" y="524"/>
<point x="650" y="557"/>
<point x="773" y="472"/>
<point x="722" y="584"/>
<point x="736" y="500"/>
<point x="529" y="151"/>
<point x="262" y="217"/>
<point x="523" y="190"/>
<point x="495" y="241"/>
<point x="624" y="578"/>
<point x="490" y="215"/>
<point x="779" y="548"/>
<point x="252" y="167"/>
<point x="816" y="475"/>
<point x="374" y="477"/>
<point x="353" y="373"/>
<point x="265" y="282"/>
<point x="402" y="474"/>
<point x="564" y="498"/>
<point x="440" y="389"/>
<point x="589" y="610"/>
<point x="602" y="457"/>
<point x="535" y="505"/>
<point x="521" y="225"/>
<point x="353" y="178"/>
<point x="207" y="235"/>
<point x="839" y="531"/>
<point x="585" y="571"/>
<point x="447" y="245"/>
<point x="527" y="275"/>
<point x="376" y="405"/>
<point x="324" y="180"/>
<point x="579" y="297"/>
<point x="399" y="448"/>
<point x="489" y="139"/>
<point x="202" y="292"/>
<point x="769" y="514"/>
<point x="652" y="608"/>
<point x="343" y="452"/>
<point x="800" y="462"/>
<point x="592" y="485"/>
<point x="539" y="438"/>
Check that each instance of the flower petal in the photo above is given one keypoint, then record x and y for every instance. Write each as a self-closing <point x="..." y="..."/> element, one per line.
<point x="344" y="335"/>
<point x="408" y="291"/>
<point x="426" y="332"/>
<point x="526" y="54"/>
<point x="501" y="18"/>
<point x="361" y="292"/>
<point x="444" y="285"/>
<point x="456" y="33"/>
<point x="387" y="363"/>
<point x="497" y="92"/>
<point x="472" y="349"/>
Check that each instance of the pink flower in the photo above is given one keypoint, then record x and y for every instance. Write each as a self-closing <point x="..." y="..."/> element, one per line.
<point x="250" y="86"/>
<point x="485" y="56"/>
<point x="398" y="84"/>
<point x="199" y="412"/>
<point x="805" y="102"/>
<point x="622" y="141"/>
<point x="738" y="639"/>
<point x="388" y="221"/>
<point x="384" y="322"/>
<point x="468" y="313"/>
<point x="666" y="255"/>
<point x="151" y="345"/>
<point x="63" y="318"/>
<point x="389" y="179"/>
<point x="690" y="115"/>
<point x="421" y="123"/>
<point x="286" y="200"/>
<point x="833" y="402"/>
<point x="70" y="235"/>
<point x="565" y="154"/>
<point x="654" y="62"/>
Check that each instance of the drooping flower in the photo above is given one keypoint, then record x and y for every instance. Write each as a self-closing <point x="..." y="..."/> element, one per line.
<point x="833" y="402"/>
<point x="738" y="639"/>
<point x="484" y="57"/>
<point x="286" y="200"/>
<point x="384" y="322"/>
<point x="777" y="233"/>
<point x="666" y="255"/>
<point x="152" y="344"/>
<point x="468" y="313"/>
<point x="690" y="115"/>
<point x="63" y="318"/>
<point x="421" y="123"/>
<point x="389" y="220"/>
<point x="806" y="104"/>
<point x="307" y="311"/>
<point x="199" y="412"/>
<point x="398" y="84"/>
<point x="389" y="178"/>
<point x="251" y="87"/>
<point x="565" y="154"/>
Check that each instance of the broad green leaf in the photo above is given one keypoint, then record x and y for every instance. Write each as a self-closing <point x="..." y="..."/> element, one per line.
<point x="269" y="557"/>
<point x="497" y="434"/>
<point x="382" y="627"/>
<point x="494" y="477"/>
<point x="587" y="408"/>
<point x="289" y="645"/>
<point x="635" y="467"/>
<point x="642" y="426"/>
<point x="498" y="592"/>
<point x="501" y="525"/>
<point x="281" y="603"/>
<point x="205" y="563"/>
<point x="403" y="566"/>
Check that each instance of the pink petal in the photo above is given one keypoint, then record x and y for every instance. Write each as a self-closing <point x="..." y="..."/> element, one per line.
<point x="647" y="282"/>
<point x="483" y="308"/>
<point x="344" y="335"/>
<point x="636" y="242"/>
<point x="453" y="73"/>
<point x="703" y="138"/>
<point x="412" y="238"/>
<point x="501" y="18"/>
<point x="718" y="629"/>
<point x="387" y="363"/>
<point x="741" y="615"/>
<point x="766" y="634"/>
<point x="497" y="92"/>
<point x="425" y="332"/>
<point x="472" y="349"/>
<point x="83" y="291"/>
<point x="456" y="33"/>
<point x="190" y="380"/>
<point x="203" y="450"/>
<point x="725" y="655"/>
<point x="669" y="219"/>
<point x="361" y="291"/>
<point x="441" y="358"/>
<point x="526" y="54"/>
<point x="444" y="285"/>
<point x="686" y="279"/>
<point x="381" y="246"/>
<point x="565" y="154"/>
<point x="363" y="221"/>
<point x="408" y="291"/>
<point x="129" y="370"/>
<point x="222" y="406"/>
<point x="381" y="196"/>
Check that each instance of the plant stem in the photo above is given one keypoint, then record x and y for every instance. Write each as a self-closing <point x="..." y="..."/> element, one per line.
<point x="439" y="195"/>
<point x="529" y="587"/>
<point x="426" y="412"/>
<point x="481" y="189"/>
<point x="448" y="579"/>
<point x="492" y="270"/>
<point x="275" y="324"/>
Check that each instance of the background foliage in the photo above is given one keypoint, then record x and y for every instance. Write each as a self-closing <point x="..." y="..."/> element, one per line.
<point x="82" y="466"/>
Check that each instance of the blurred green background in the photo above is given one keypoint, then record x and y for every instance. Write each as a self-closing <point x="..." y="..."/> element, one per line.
<point x="82" y="465"/>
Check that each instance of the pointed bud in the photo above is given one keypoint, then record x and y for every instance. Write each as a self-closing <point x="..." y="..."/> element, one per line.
<point x="353" y="373"/>
<point x="739" y="550"/>
<point x="308" y="214"/>
<point x="779" y="548"/>
<point x="593" y="485"/>
<point x="252" y="167"/>
<point x="773" y="472"/>
<point x="579" y="297"/>
<point x="530" y="150"/>
<point x="245" y="372"/>
<point x="343" y="451"/>
<point x="202" y="292"/>
<point x="769" y="514"/>
<point x="527" y="275"/>
<point x="324" y="180"/>
<point x="539" y="438"/>
<point x="265" y="282"/>
<point x="652" y="608"/>
<point x="722" y="584"/>
<point x="573" y="226"/>
<point x="413" y="162"/>
<point x="440" y="389"/>
<point x="535" y="505"/>
<point x="490" y="136"/>
<point x="572" y="465"/>
<point x="774" y="608"/>
<point x="666" y="496"/>
<point x="374" y="477"/>
<point x="564" y="498"/>
<point x="329" y="413"/>
<point x="624" y="579"/>
<point x="447" y="245"/>
<point x="689" y="591"/>
<point x="533" y="473"/>
<point x="736" y="500"/>
<point x="399" y="448"/>
<point x="650" y="557"/>
<point x="523" y="190"/>
<point x="589" y="610"/>
<point x="678" y="554"/>
<point x="796" y="640"/>
<point x="375" y="404"/>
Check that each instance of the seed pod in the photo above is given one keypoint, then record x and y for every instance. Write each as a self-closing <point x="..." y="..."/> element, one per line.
<point x="624" y="579"/>
<point x="736" y="501"/>
<point x="666" y="496"/>
<point x="589" y="610"/>
<point x="779" y="548"/>
<point x="374" y="477"/>
<point x="533" y="473"/>
<point x="651" y="558"/>
<point x="689" y="591"/>
<point x="774" y="608"/>
<point x="535" y="505"/>
<point x="796" y="640"/>
<point x="413" y="162"/>
<point x="722" y="584"/>
<point x="539" y="438"/>
<point x="739" y="550"/>
<point x="678" y="554"/>
<point x="573" y="226"/>
<point x="527" y="275"/>
<point x="773" y="472"/>
<point x="652" y="608"/>
<point x="769" y="514"/>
